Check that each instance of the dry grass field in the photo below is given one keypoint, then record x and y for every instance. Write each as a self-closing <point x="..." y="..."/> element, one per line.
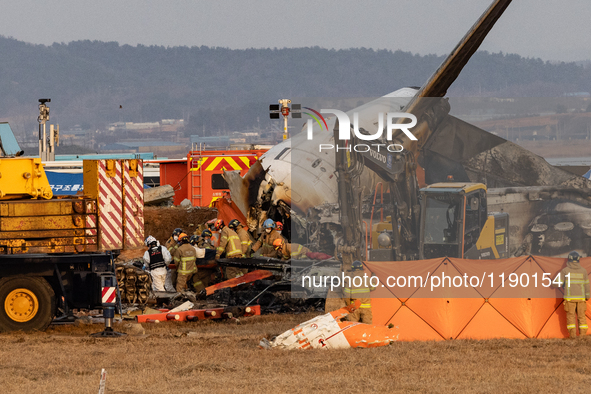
<point x="221" y="357"/>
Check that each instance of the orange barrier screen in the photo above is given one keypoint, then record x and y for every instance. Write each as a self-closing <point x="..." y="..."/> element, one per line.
<point x="520" y="306"/>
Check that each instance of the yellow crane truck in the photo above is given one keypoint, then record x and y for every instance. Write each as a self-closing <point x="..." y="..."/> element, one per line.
<point x="51" y="256"/>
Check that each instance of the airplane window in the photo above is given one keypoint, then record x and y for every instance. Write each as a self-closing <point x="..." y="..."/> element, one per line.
<point x="281" y="154"/>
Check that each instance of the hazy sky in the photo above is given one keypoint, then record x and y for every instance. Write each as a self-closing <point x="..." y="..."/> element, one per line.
<point x="549" y="29"/>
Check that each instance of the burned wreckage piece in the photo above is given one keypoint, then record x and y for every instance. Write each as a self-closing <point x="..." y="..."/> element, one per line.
<point x="331" y="331"/>
<point x="326" y="194"/>
<point x="192" y="315"/>
<point x="546" y="221"/>
<point x="274" y="284"/>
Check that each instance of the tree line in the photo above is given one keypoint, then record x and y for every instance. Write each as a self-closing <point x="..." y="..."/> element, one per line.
<point x="218" y="90"/>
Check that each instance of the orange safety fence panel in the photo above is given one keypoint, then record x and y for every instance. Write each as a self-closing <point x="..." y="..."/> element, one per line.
<point x="528" y="281"/>
<point x="529" y="315"/>
<point x="386" y="303"/>
<point x="501" y="306"/>
<point x="447" y="316"/>
<point x="384" y="270"/>
<point x="555" y="327"/>
<point x="450" y="283"/>
<point x="411" y="327"/>
<point x="484" y="268"/>
<point x="447" y="309"/>
<point x="383" y="309"/>
<point x="489" y="324"/>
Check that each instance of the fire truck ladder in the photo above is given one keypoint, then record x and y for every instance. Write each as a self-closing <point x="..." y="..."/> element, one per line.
<point x="197" y="177"/>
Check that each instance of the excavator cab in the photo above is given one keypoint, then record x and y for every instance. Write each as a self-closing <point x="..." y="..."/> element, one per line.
<point x="455" y="223"/>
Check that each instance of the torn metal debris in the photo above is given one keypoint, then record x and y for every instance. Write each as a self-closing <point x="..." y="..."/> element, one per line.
<point x="329" y="331"/>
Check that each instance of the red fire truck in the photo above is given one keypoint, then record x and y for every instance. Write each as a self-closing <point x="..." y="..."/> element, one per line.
<point x="198" y="177"/>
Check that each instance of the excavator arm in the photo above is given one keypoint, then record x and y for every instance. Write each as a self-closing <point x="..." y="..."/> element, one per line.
<point x="400" y="168"/>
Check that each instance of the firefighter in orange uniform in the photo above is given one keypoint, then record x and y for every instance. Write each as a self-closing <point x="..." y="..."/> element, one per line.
<point x="353" y="293"/>
<point x="186" y="268"/>
<point x="215" y="235"/>
<point x="265" y="241"/>
<point x="288" y="251"/>
<point x="172" y="244"/>
<point x="576" y="294"/>
<point x="245" y="238"/>
<point x="230" y="245"/>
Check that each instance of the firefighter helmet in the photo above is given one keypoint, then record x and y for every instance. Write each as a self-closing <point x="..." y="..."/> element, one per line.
<point x="177" y="231"/>
<point x="573" y="257"/>
<point x="234" y="224"/>
<point x="211" y="224"/>
<point x="193" y="240"/>
<point x="184" y="238"/>
<point x="150" y="240"/>
<point x="219" y="224"/>
<point x="269" y="223"/>
<point x="206" y="233"/>
<point x="279" y="226"/>
<point x="278" y="243"/>
<point x="357" y="265"/>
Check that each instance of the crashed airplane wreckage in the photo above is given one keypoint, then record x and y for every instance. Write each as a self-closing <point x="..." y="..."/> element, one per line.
<point x="331" y="331"/>
<point x="275" y="284"/>
<point x="327" y="194"/>
<point x="505" y="201"/>
<point x="272" y="285"/>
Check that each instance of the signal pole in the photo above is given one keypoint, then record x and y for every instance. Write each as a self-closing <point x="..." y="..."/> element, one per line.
<point x="285" y="110"/>
<point x="44" y="143"/>
<point x="42" y="119"/>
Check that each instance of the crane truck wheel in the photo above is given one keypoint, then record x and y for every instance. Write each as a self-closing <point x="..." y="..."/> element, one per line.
<point x="26" y="303"/>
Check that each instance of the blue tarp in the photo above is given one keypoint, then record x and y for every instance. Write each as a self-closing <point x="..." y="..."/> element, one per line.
<point x="587" y="175"/>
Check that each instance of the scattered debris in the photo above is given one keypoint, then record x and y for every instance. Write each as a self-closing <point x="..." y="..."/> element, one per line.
<point x="135" y="284"/>
<point x="158" y="195"/>
<point x="186" y="203"/>
<point x="234" y="282"/>
<point x="84" y="321"/>
<point x="103" y="381"/>
<point x="200" y="314"/>
<point x="183" y="307"/>
<point x="330" y="332"/>
<point x="134" y="329"/>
